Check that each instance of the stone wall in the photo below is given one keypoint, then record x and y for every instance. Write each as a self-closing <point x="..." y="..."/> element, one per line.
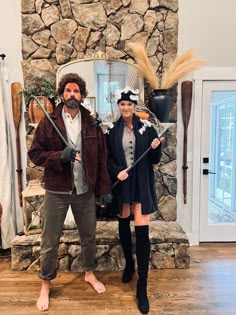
<point x="55" y="32"/>
<point x="169" y="248"/>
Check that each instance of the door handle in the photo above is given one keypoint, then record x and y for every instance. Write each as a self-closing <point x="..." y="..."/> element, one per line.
<point x="206" y="172"/>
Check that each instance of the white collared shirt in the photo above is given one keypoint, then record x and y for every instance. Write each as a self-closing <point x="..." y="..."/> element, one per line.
<point x="73" y="131"/>
<point x="73" y="127"/>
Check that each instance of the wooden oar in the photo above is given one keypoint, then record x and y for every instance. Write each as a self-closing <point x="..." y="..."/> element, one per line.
<point x="16" y="110"/>
<point x="186" y="95"/>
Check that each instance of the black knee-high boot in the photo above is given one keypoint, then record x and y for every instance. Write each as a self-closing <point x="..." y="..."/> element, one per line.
<point x="126" y="243"/>
<point x="143" y="254"/>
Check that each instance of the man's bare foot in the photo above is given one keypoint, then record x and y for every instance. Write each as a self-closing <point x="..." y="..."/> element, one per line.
<point x="43" y="300"/>
<point x="97" y="285"/>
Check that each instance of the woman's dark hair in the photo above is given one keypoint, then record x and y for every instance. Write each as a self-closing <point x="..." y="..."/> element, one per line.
<point x="72" y="78"/>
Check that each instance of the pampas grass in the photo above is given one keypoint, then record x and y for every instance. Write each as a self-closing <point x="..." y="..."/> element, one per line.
<point x="181" y="66"/>
<point x="144" y="65"/>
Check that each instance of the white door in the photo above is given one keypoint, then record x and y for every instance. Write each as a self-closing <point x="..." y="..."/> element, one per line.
<point x="218" y="162"/>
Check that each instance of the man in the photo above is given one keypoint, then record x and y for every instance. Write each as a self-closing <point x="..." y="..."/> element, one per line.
<point x="73" y="175"/>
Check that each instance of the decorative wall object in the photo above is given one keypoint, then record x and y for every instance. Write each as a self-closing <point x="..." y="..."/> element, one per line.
<point x="16" y="111"/>
<point x="186" y="97"/>
<point x="35" y="112"/>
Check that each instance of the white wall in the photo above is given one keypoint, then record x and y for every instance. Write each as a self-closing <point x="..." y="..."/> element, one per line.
<point x="10" y="35"/>
<point x="10" y="45"/>
<point x="208" y="26"/>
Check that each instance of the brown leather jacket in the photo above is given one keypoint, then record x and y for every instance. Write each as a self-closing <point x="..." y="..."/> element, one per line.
<point x="47" y="147"/>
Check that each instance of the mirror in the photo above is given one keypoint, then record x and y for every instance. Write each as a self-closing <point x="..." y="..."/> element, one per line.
<point x="103" y="78"/>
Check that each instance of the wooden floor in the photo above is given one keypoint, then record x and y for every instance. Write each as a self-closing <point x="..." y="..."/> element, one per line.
<point x="208" y="287"/>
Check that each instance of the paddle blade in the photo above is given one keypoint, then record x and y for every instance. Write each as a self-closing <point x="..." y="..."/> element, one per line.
<point x="16" y="102"/>
<point x="186" y="94"/>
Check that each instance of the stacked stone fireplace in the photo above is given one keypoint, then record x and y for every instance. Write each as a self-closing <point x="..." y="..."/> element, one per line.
<point x="55" y="32"/>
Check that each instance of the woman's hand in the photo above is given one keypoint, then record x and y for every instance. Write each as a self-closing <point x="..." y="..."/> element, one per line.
<point x="156" y="142"/>
<point x="123" y="175"/>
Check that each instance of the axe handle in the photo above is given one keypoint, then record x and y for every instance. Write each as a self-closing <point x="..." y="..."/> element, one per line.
<point x="50" y="119"/>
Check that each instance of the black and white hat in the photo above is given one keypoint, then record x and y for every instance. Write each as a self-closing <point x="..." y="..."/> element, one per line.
<point x="128" y="94"/>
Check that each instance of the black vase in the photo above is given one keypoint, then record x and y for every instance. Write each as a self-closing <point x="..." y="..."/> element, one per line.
<point x="160" y="104"/>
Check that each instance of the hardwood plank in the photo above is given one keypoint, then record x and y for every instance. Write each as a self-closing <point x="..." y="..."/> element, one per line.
<point x="208" y="287"/>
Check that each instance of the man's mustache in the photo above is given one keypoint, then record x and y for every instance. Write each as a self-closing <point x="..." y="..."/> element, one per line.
<point x="72" y="102"/>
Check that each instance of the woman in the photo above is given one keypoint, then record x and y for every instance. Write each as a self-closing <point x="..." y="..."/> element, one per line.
<point x="127" y="139"/>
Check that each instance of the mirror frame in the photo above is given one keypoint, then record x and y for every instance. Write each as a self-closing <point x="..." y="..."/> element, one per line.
<point x="103" y="57"/>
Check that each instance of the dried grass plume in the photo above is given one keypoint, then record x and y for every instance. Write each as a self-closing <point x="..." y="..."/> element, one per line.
<point x="144" y="65"/>
<point x="181" y="66"/>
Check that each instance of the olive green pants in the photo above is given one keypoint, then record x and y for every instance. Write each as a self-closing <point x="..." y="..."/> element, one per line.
<point x="54" y="212"/>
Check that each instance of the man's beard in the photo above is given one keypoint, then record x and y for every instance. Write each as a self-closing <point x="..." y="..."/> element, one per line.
<point x="72" y="103"/>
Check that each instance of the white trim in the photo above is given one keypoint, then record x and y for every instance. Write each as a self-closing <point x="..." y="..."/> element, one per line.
<point x="205" y="74"/>
<point x="196" y="161"/>
<point x="218" y="74"/>
<point x="191" y="239"/>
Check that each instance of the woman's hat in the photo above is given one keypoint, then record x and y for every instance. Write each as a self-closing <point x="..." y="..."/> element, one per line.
<point x="127" y="94"/>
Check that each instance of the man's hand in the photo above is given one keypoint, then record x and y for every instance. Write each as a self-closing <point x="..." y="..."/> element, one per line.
<point x="68" y="155"/>
<point x="104" y="200"/>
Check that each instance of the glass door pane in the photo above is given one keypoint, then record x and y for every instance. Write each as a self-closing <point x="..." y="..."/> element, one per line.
<point x="222" y="184"/>
<point x="218" y="167"/>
